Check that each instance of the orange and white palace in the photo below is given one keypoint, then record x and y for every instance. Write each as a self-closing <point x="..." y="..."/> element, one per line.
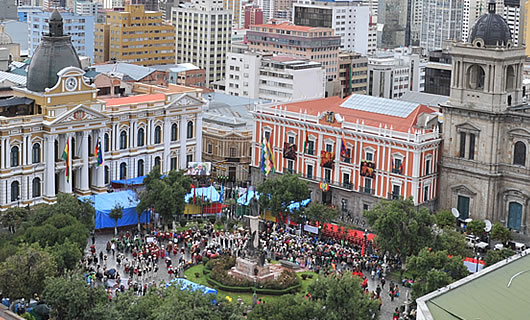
<point x="366" y="148"/>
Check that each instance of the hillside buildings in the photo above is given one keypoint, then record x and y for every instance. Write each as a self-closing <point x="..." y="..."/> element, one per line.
<point x="135" y="36"/>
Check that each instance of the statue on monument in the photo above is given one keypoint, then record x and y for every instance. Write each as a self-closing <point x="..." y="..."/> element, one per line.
<point x="254" y="207"/>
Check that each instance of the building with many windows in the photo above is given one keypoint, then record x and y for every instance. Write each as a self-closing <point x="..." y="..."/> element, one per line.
<point x="351" y="20"/>
<point x="390" y="148"/>
<point x="274" y="78"/>
<point x="203" y="36"/>
<point x="135" y="36"/>
<point x="80" y="28"/>
<point x="353" y="73"/>
<point x="485" y="171"/>
<point x="59" y="111"/>
<point x="441" y="20"/>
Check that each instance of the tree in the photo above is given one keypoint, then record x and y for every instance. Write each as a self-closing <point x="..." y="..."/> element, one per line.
<point x="288" y="308"/>
<point x="495" y="256"/>
<point x="401" y="228"/>
<point x="444" y="218"/>
<point x="427" y="267"/>
<point x="501" y="233"/>
<point x="13" y="217"/>
<point x="23" y="273"/>
<point x="164" y="194"/>
<point x="116" y="213"/>
<point x="321" y="212"/>
<point x="67" y="255"/>
<point x="453" y="242"/>
<point x="71" y="298"/>
<point x="280" y="192"/>
<point x="476" y="227"/>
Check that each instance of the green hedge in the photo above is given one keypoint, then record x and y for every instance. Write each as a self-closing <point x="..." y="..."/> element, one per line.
<point x="276" y="292"/>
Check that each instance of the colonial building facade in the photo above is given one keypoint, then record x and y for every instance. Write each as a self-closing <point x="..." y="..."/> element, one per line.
<point x="152" y="126"/>
<point x="366" y="148"/>
<point x="485" y="168"/>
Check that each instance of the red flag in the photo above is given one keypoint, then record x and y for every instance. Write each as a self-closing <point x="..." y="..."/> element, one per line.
<point x="362" y="251"/>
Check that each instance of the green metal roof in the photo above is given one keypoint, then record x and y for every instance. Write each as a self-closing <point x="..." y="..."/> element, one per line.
<point x="488" y="295"/>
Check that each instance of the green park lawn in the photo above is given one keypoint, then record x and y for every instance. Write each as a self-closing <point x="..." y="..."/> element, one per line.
<point x="245" y="296"/>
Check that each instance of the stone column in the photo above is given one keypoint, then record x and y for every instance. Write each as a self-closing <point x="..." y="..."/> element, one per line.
<point x="68" y="182"/>
<point x="166" y="139"/>
<point x="84" y="179"/>
<point x="183" y="142"/>
<point x="198" y="138"/>
<point x="8" y="153"/>
<point x="49" y="171"/>
<point x="3" y="155"/>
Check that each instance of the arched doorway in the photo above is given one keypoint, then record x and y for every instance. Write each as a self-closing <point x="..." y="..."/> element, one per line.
<point x="515" y="214"/>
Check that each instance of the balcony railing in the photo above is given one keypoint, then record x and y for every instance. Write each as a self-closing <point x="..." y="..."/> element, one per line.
<point x="394" y="196"/>
<point x="343" y="185"/>
<point x="310" y="152"/>
<point x="368" y="190"/>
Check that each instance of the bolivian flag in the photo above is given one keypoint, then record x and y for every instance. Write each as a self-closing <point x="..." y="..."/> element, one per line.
<point x="99" y="154"/>
<point x="66" y="157"/>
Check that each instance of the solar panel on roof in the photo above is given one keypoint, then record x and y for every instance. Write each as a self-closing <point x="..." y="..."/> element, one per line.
<point x="384" y="106"/>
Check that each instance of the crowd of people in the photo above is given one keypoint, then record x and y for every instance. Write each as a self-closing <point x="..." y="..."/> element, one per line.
<point x="143" y="259"/>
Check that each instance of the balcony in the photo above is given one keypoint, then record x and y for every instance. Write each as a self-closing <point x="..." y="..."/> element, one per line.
<point x="347" y="185"/>
<point x="394" y="196"/>
<point x="346" y="159"/>
<point x="368" y="190"/>
<point x="397" y="170"/>
<point x="310" y="152"/>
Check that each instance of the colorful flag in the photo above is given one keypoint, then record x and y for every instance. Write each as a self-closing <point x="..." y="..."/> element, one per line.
<point x="267" y="158"/>
<point x="66" y="157"/>
<point x="99" y="154"/>
<point x="306" y="139"/>
<point x="343" y="151"/>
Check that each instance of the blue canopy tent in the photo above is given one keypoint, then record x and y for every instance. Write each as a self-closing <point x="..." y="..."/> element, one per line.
<point x="244" y="200"/>
<point x="206" y="193"/>
<point x="104" y="202"/>
<point x="188" y="285"/>
<point x="130" y="182"/>
<point x="296" y="205"/>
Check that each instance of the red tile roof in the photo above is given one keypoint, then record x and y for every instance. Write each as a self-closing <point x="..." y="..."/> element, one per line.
<point x="143" y="98"/>
<point x="372" y="119"/>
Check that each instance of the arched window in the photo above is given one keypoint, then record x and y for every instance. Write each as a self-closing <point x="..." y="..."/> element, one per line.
<point x="158" y="135"/>
<point x="519" y="153"/>
<point x="157" y="163"/>
<point x="14" y="157"/>
<point x="123" y="171"/>
<point x="190" y="130"/>
<point x="123" y="140"/>
<point x="476" y="77"/>
<point x="107" y="175"/>
<point x="35" y="153"/>
<point x="140" y="168"/>
<point x="141" y="137"/>
<point x="36" y="187"/>
<point x="106" y="142"/>
<point x="174" y="132"/>
<point x="15" y="191"/>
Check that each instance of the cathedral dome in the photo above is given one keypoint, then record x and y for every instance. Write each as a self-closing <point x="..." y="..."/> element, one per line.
<point x="4" y="37"/>
<point x="491" y="30"/>
<point x="54" y="53"/>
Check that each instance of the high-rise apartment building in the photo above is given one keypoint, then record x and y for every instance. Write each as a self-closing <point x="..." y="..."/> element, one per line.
<point x="268" y="8"/>
<point x="80" y="28"/>
<point x="441" y="20"/>
<point x="512" y="12"/>
<point x="111" y="4"/>
<point x="203" y="36"/>
<point x="350" y="20"/>
<point x="253" y="15"/>
<point x="135" y="36"/>
<point x="149" y="5"/>
<point x="235" y="7"/>
<point x="473" y="9"/>
<point x="353" y="73"/>
<point x="394" y="23"/>
<point x="87" y="7"/>
<point x="313" y="43"/>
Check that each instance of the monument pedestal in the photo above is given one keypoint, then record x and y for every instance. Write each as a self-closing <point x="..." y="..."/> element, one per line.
<point x="250" y="269"/>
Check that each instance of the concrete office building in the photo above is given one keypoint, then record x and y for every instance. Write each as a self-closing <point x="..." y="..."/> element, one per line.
<point x="203" y="36"/>
<point x="353" y="73"/>
<point x="88" y="8"/>
<point x="350" y="20"/>
<point x="512" y="12"/>
<point x="80" y="28"/>
<point x="135" y="36"/>
<point x="438" y="73"/>
<point x="24" y="11"/>
<point x="274" y="78"/>
<point x="392" y="74"/>
<point x="473" y="9"/>
<point x="441" y="20"/>
<point x="393" y="23"/>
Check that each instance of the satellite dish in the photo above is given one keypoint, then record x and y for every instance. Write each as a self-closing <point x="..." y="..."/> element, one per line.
<point x="487" y="228"/>
<point x="468" y="220"/>
<point x="455" y="212"/>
